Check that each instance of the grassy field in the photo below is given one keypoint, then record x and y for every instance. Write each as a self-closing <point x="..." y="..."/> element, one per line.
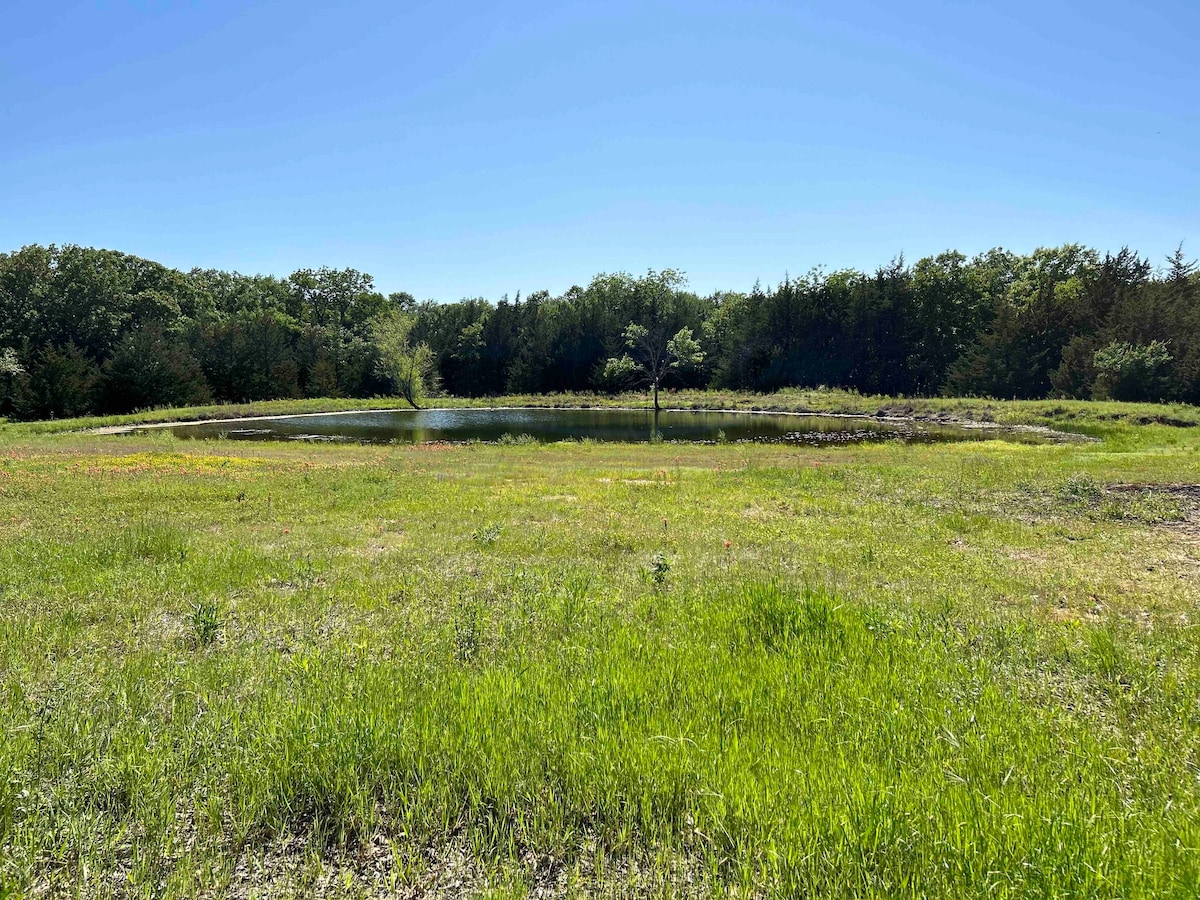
<point x="239" y="669"/>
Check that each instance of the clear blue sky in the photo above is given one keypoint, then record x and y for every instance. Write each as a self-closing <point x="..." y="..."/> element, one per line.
<point x="471" y="148"/>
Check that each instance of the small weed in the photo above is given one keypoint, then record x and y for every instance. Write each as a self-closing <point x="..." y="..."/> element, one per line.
<point x="487" y="536"/>
<point x="205" y="621"/>
<point x="574" y="595"/>
<point x="467" y="636"/>
<point x="659" y="569"/>
<point x="306" y="574"/>
<point x="1080" y="489"/>
<point x="1106" y="658"/>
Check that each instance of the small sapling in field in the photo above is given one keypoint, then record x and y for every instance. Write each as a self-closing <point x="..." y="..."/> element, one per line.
<point x="659" y="569"/>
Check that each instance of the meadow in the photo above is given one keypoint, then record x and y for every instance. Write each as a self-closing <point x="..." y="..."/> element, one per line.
<point x="284" y="669"/>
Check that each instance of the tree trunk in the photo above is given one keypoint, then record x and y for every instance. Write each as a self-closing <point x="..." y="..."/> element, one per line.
<point x="656" y="396"/>
<point x="410" y="386"/>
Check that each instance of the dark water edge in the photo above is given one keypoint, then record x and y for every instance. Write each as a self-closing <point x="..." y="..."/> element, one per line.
<point x="547" y="425"/>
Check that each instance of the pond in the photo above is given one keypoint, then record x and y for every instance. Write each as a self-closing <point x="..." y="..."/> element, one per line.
<point x="548" y="424"/>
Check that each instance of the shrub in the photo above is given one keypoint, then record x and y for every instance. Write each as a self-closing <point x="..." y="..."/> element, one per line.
<point x="1131" y="371"/>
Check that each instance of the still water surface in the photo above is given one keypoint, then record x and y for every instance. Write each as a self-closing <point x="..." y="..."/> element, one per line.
<point x="424" y="425"/>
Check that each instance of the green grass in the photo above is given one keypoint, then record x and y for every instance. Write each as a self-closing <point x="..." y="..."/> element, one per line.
<point x="733" y="670"/>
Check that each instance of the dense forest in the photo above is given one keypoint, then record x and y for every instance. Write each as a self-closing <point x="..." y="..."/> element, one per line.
<point x="85" y="330"/>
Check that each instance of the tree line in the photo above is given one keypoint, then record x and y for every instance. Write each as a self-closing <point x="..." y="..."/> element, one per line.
<point x="85" y="331"/>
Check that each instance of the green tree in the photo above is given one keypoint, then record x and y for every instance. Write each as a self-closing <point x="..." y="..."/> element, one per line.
<point x="339" y="298"/>
<point x="407" y="366"/>
<point x="1131" y="372"/>
<point x="11" y="373"/>
<point x="947" y="313"/>
<point x="652" y="354"/>
<point x="150" y="370"/>
<point x="1076" y="374"/>
<point x="250" y="356"/>
<point x="62" y="384"/>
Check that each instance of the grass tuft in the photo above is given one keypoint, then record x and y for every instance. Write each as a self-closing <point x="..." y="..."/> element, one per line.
<point x="151" y="542"/>
<point x="205" y="621"/>
<point x="774" y="617"/>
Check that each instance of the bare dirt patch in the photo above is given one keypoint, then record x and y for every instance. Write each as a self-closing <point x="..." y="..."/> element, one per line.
<point x="1187" y="496"/>
<point x="1180" y="490"/>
